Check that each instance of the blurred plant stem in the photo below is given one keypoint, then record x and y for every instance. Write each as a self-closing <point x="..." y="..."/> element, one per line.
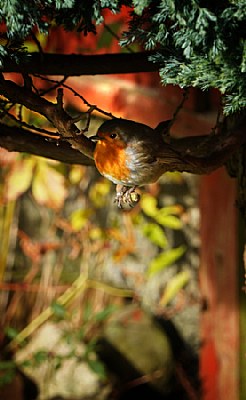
<point x="6" y="219"/>
<point x="69" y="295"/>
<point x="78" y="286"/>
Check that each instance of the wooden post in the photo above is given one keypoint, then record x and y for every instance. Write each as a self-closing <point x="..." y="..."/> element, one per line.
<point x="242" y="297"/>
<point x="219" y="366"/>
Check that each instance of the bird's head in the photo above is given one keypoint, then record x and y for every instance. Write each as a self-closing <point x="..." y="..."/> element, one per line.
<point x="112" y="134"/>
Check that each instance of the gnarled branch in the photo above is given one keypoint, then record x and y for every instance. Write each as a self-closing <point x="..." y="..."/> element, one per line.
<point x="53" y="112"/>
<point x="198" y="155"/>
<point x="22" y="140"/>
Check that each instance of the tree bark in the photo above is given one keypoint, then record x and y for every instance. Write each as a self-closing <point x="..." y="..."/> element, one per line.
<point x="198" y="155"/>
<point x="76" y="65"/>
<point x="22" y="140"/>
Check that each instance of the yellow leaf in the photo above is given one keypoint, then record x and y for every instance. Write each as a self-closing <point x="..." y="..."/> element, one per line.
<point x="76" y="174"/>
<point x="164" y="259"/>
<point x="149" y="205"/>
<point x="175" y="209"/>
<point x="79" y="218"/>
<point x="98" y="193"/>
<point x="48" y="186"/>
<point x="19" y="178"/>
<point x="174" y="286"/>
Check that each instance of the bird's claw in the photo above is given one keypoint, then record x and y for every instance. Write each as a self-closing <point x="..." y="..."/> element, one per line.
<point x="126" y="198"/>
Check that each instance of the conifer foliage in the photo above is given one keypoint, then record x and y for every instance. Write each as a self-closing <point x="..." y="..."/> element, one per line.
<point x="199" y="43"/>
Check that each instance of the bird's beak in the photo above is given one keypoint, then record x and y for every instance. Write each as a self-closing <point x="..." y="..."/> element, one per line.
<point x="95" y="138"/>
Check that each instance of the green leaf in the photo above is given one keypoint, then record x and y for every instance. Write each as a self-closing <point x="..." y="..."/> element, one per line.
<point x="7" y="365"/>
<point x="11" y="332"/>
<point x="175" y="209"/>
<point x="155" y="234"/>
<point x="58" y="362"/>
<point x="170" y="221"/>
<point x="102" y="315"/>
<point x="58" y="310"/>
<point x="139" y="6"/>
<point x="87" y="312"/>
<point x="106" y="38"/>
<point x="97" y="367"/>
<point x="40" y="356"/>
<point x="174" y="286"/>
<point x="149" y="205"/>
<point x="25" y="364"/>
<point x="7" y="377"/>
<point x="164" y="259"/>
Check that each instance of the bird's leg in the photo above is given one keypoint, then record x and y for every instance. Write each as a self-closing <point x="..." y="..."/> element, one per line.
<point x="121" y="190"/>
<point x="126" y="197"/>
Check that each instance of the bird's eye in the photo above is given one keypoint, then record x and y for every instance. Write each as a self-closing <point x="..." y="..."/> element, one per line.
<point x="113" y="135"/>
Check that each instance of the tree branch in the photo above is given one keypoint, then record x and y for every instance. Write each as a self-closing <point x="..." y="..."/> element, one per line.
<point x="22" y="140"/>
<point x="76" y="65"/>
<point x="53" y="112"/>
<point x="204" y="154"/>
<point x="198" y="155"/>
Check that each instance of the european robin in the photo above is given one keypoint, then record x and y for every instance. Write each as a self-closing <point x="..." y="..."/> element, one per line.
<point x="130" y="153"/>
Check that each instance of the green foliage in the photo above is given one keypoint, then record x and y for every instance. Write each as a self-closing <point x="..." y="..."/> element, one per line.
<point x="155" y="234"/>
<point x="48" y="182"/>
<point x="7" y="372"/>
<point x="159" y="218"/>
<point x="166" y="216"/>
<point x="165" y="259"/>
<point x="199" y="44"/>
<point x="104" y="314"/>
<point x="139" y="6"/>
<point x="10" y="332"/>
<point x="59" y="310"/>
<point x="174" y="286"/>
<point x="97" y="367"/>
<point x="106" y="39"/>
<point x="73" y="337"/>
<point x="21" y="18"/>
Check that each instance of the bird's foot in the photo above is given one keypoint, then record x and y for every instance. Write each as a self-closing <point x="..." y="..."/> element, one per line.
<point x="126" y="198"/>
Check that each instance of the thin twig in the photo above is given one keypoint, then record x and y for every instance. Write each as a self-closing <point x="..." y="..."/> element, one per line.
<point x="114" y="34"/>
<point x="69" y="295"/>
<point x="89" y="112"/>
<point x="176" y="112"/>
<point x="147" y="378"/>
<point x="61" y="120"/>
<point x="37" y="42"/>
<point x="31" y="127"/>
<point x="217" y="122"/>
<point x="191" y="392"/>
<point x="107" y="114"/>
<point x="54" y="87"/>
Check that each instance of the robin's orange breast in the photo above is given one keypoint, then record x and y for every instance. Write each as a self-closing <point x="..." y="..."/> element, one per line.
<point x="111" y="162"/>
